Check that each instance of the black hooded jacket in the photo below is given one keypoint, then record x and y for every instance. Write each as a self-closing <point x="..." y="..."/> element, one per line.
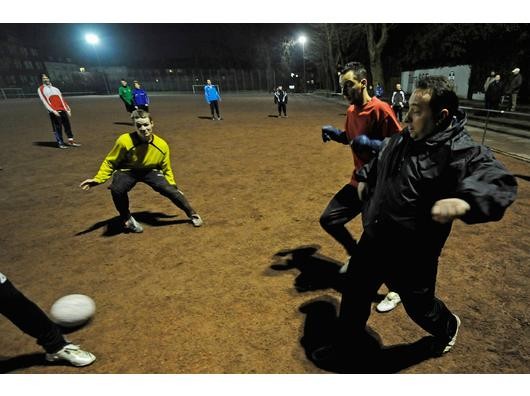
<point x="409" y="176"/>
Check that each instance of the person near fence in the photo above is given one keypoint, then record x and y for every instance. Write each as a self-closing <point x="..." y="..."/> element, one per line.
<point x="32" y="320"/>
<point x="494" y="94"/>
<point x="488" y="81"/>
<point x="126" y="95"/>
<point x="421" y="181"/>
<point x="514" y="86"/>
<point x="212" y="97"/>
<point x="140" y="98"/>
<point x="280" y="98"/>
<point x="140" y="156"/>
<point x="368" y="121"/>
<point x="59" y="112"/>
<point x="398" y="102"/>
<point x="379" y="91"/>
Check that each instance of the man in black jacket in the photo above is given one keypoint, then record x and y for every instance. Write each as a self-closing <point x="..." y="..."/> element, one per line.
<point x="280" y="98"/>
<point x="421" y="180"/>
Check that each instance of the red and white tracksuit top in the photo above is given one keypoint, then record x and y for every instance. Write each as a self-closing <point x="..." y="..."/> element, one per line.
<point x="52" y="98"/>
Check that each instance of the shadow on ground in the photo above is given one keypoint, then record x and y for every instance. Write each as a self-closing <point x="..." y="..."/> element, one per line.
<point x="320" y="328"/>
<point x="8" y="365"/>
<point x="114" y="225"/>
<point x="45" y="144"/>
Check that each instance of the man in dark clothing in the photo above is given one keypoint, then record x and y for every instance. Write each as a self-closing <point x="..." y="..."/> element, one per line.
<point x="515" y="86"/>
<point x="398" y="102"/>
<point x="494" y="93"/>
<point x="126" y="95"/>
<point x="280" y="98"/>
<point x="421" y="180"/>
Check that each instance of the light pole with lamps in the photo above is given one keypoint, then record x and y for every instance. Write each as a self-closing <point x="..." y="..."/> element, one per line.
<point x="93" y="40"/>
<point x="302" y="40"/>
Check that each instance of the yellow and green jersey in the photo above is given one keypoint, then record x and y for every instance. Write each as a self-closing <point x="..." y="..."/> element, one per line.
<point x="132" y="153"/>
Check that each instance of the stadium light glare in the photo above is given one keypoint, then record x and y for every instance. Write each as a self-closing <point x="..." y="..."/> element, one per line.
<point x="91" y="39"/>
<point x="302" y="39"/>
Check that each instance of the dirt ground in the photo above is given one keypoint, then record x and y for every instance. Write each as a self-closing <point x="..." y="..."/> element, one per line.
<point x="254" y="289"/>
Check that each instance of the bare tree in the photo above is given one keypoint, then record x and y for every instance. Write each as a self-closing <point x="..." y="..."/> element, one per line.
<point x="376" y="38"/>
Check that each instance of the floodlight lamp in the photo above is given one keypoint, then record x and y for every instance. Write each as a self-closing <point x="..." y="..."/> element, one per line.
<point x="91" y="39"/>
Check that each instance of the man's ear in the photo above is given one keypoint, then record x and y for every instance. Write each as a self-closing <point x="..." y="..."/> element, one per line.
<point x="364" y="82"/>
<point x="443" y="115"/>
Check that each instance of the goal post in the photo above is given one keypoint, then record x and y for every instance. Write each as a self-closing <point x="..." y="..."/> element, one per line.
<point x="199" y="88"/>
<point x="9" y="93"/>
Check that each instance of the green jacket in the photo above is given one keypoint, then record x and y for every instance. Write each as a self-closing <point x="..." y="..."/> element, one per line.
<point x="125" y="94"/>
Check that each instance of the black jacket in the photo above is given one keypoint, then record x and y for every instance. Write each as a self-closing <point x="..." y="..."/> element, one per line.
<point x="280" y="97"/>
<point x="409" y="176"/>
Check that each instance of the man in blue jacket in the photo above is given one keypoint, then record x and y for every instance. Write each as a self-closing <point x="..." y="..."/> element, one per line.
<point x="213" y="98"/>
<point x="140" y="98"/>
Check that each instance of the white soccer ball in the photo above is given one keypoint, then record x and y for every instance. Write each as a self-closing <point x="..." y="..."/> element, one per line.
<point x="72" y="310"/>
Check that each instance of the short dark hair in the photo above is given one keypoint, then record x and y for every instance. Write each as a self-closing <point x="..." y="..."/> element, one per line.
<point x="357" y="68"/>
<point x="139" y="113"/>
<point x="442" y="92"/>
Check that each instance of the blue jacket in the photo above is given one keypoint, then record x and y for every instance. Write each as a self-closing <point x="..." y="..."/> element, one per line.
<point x="140" y="97"/>
<point x="210" y="93"/>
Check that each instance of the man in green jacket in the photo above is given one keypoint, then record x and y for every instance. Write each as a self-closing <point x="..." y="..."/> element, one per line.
<point x="125" y="93"/>
<point x="140" y="156"/>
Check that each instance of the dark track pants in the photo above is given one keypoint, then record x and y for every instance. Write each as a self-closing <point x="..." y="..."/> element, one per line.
<point x="342" y="208"/>
<point x="282" y="107"/>
<point x="58" y="122"/>
<point x="29" y="318"/>
<point x="214" y="105"/>
<point x="124" y="181"/>
<point x="408" y="265"/>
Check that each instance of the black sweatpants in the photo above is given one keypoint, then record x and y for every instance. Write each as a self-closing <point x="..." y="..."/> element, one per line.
<point x="342" y="208"/>
<point x="214" y="105"/>
<point x="58" y="122"/>
<point x="29" y="318"/>
<point x="124" y="181"/>
<point x="408" y="264"/>
<point x="282" y="107"/>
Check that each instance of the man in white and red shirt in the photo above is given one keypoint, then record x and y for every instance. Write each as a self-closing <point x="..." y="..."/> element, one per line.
<point x="59" y="112"/>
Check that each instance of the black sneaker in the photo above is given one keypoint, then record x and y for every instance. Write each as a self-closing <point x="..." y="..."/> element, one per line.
<point x="441" y="347"/>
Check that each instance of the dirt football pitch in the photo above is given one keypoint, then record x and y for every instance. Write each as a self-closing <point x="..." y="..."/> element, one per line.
<point x="255" y="289"/>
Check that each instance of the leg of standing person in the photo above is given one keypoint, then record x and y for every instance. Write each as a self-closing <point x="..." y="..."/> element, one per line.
<point x="284" y="108"/>
<point x="514" y="102"/>
<point x="212" y="109"/>
<point x="57" y="130"/>
<point x="156" y="180"/>
<point x="279" y="109"/>
<point x="342" y="208"/>
<point x="216" y="105"/>
<point x="65" y="120"/>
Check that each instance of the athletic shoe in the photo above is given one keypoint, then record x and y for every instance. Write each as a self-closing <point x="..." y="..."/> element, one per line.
<point x="390" y="302"/>
<point x="452" y="342"/>
<point x="344" y="268"/>
<point x="196" y="220"/>
<point x="72" y="143"/>
<point x="73" y="354"/>
<point x="213" y="118"/>
<point x="219" y="118"/>
<point x="62" y="146"/>
<point x="133" y="226"/>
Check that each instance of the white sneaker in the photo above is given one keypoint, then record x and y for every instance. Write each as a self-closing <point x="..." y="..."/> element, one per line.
<point x="344" y="268"/>
<point x="196" y="220"/>
<point x="72" y="143"/>
<point x="72" y="354"/>
<point x="451" y="343"/>
<point x="390" y="302"/>
<point x="133" y="226"/>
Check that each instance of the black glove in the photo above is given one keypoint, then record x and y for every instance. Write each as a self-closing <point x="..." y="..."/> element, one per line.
<point x="329" y="132"/>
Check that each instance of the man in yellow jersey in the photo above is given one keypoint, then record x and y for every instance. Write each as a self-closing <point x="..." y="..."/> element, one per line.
<point x="140" y="156"/>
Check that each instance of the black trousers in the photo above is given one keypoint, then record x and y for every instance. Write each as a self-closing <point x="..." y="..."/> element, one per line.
<point x="342" y="208"/>
<point x="282" y="107"/>
<point x="29" y="318"/>
<point x="124" y="181"/>
<point x="408" y="264"/>
<point x="398" y="111"/>
<point x="58" y="122"/>
<point x="142" y="107"/>
<point x="129" y="107"/>
<point x="214" y="105"/>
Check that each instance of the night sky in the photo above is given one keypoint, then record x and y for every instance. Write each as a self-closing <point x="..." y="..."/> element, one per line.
<point x="136" y="43"/>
